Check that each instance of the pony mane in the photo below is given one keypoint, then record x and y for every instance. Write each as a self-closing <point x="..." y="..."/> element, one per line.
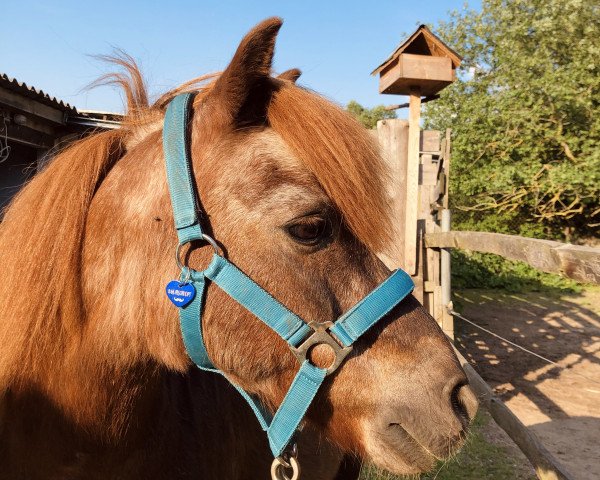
<point x="44" y="224"/>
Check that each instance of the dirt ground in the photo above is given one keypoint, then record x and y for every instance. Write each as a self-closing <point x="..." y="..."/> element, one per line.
<point x="561" y="406"/>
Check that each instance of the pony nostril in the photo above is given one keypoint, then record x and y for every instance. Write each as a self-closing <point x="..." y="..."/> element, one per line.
<point x="459" y="404"/>
<point x="459" y="408"/>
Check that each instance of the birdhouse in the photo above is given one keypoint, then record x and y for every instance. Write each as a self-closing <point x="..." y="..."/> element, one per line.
<point x="422" y="63"/>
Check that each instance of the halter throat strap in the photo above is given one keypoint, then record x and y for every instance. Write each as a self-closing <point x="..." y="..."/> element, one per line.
<point x="297" y="333"/>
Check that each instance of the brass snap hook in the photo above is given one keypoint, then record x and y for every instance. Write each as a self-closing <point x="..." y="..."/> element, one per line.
<point x="280" y="466"/>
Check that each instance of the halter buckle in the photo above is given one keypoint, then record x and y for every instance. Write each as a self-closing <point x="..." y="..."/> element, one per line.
<point x="321" y="336"/>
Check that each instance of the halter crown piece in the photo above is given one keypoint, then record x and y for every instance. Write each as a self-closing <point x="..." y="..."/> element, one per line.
<point x="188" y="294"/>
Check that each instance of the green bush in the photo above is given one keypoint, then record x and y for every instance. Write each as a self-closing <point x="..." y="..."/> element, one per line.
<point x="525" y="116"/>
<point x="369" y="116"/>
<point x="512" y="223"/>
<point x="485" y="270"/>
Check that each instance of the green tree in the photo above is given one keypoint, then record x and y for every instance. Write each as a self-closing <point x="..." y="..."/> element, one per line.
<point x="525" y="114"/>
<point x="369" y="116"/>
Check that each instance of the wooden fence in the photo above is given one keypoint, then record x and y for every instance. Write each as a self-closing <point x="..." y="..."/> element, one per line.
<point x="577" y="262"/>
<point x="419" y="197"/>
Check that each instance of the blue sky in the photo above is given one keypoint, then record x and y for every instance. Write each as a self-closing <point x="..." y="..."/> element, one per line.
<point x="336" y="43"/>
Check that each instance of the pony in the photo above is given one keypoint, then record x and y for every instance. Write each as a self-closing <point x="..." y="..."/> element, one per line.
<point x="94" y="376"/>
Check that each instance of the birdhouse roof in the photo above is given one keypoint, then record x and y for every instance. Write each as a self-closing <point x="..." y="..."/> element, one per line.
<point x="422" y="42"/>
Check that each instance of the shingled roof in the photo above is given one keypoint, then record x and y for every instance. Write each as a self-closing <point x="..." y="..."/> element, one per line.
<point x="422" y="41"/>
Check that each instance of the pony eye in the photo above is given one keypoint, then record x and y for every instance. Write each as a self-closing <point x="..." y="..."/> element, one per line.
<point x="309" y="231"/>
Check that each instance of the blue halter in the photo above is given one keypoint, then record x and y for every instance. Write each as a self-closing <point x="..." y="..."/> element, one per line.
<point x="299" y="334"/>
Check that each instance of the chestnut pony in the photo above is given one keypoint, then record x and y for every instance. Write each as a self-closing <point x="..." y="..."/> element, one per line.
<point x="94" y="376"/>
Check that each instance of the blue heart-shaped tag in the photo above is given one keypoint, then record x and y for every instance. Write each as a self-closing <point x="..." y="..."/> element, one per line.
<point x="180" y="294"/>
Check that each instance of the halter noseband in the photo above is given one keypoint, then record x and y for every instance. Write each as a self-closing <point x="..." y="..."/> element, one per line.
<point x="188" y="293"/>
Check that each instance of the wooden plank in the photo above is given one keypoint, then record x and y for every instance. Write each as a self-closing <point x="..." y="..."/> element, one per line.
<point x="429" y="257"/>
<point x="430" y="141"/>
<point x="445" y="262"/>
<point x="412" y="182"/>
<point x="546" y="466"/>
<point x="27" y="136"/>
<point x="445" y="274"/>
<point x="389" y="75"/>
<point x="430" y="74"/>
<point x="439" y="189"/>
<point x="423" y="265"/>
<point x="428" y="172"/>
<point x="446" y="165"/>
<point x="402" y="86"/>
<point x="393" y="140"/>
<point x="420" y="67"/>
<point x="577" y="262"/>
<point x="419" y="276"/>
<point x="426" y="258"/>
<point x="437" y="192"/>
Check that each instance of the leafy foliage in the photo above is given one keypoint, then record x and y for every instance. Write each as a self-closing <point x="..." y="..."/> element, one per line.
<point x="525" y="114"/>
<point x="369" y="116"/>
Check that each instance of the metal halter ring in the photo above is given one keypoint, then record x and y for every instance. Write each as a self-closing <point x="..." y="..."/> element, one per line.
<point x="286" y="462"/>
<point x="321" y="336"/>
<point x="182" y="266"/>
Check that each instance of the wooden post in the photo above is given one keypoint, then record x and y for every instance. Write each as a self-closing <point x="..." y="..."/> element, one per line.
<point x="447" y="319"/>
<point x="447" y="154"/>
<point x="393" y="140"/>
<point x="412" y="181"/>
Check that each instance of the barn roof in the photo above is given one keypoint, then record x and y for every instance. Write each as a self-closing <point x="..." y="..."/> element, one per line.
<point x="39" y="95"/>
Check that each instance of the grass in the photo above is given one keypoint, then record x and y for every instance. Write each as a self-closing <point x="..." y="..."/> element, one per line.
<point x="478" y="460"/>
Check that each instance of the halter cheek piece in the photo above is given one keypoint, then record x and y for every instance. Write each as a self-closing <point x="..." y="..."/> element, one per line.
<point x="189" y="291"/>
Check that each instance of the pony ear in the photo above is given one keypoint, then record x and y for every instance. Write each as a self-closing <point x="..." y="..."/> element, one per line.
<point x="242" y="92"/>
<point x="291" y="75"/>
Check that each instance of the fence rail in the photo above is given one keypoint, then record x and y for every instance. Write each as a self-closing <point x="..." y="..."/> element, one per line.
<point x="577" y="262"/>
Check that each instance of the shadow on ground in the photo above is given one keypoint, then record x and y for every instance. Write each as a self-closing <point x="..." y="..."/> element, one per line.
<point x="560" y="403"/>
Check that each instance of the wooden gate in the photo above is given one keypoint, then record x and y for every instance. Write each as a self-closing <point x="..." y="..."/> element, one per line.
<point x="418" y="195"/>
